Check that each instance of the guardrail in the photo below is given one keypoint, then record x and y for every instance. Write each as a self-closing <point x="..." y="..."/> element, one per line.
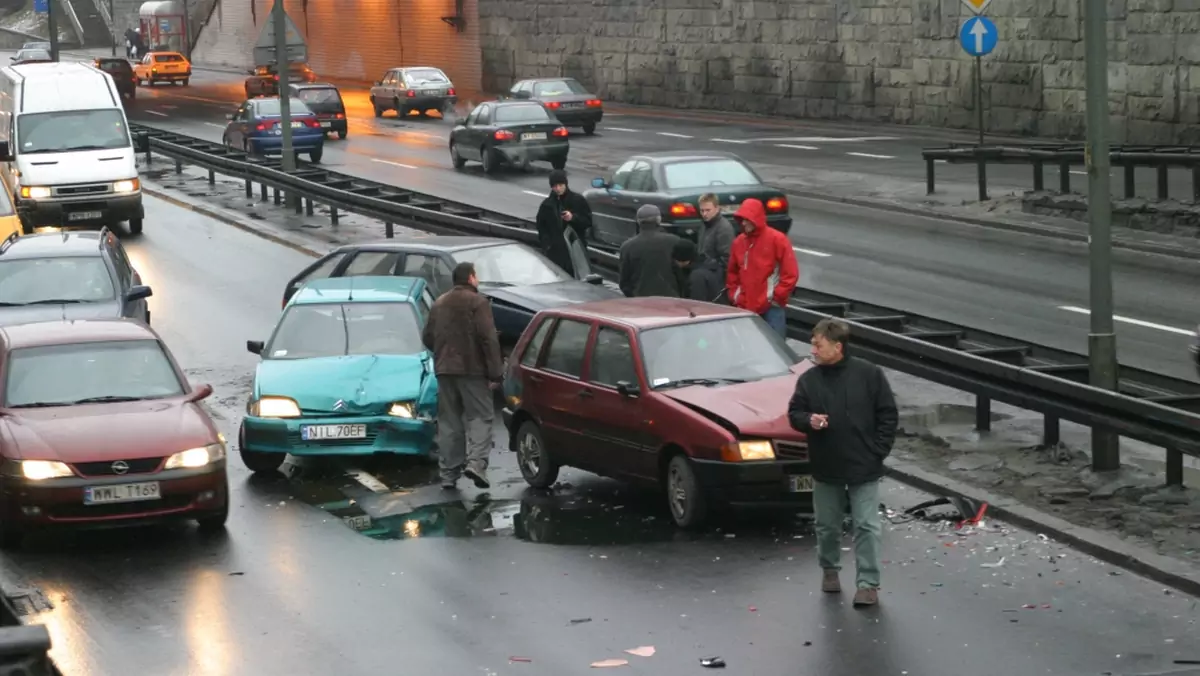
<point x="24" y="648"/>
<point x="1153" y="408"/>
<point x="1065" y="156"/>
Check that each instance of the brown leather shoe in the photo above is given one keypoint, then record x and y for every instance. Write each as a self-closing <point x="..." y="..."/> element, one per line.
<point x="830" y="584"/>
<point x="866" y="597"/>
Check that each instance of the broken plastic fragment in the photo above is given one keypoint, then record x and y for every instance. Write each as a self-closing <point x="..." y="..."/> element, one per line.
<point x="712" y="662"/>
<point x="994" y="565"/>
<point x="607" y="664"/>
<point x="642" y="651"/>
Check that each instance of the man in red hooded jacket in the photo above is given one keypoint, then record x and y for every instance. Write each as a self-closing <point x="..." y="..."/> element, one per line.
<point x="762" y="267"/>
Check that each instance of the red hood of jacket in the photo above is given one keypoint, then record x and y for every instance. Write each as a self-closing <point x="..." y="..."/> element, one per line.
<point x="753" y="210"/>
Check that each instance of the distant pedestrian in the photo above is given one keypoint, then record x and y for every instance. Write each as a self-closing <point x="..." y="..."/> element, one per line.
<point x="646" y="267"/>
<point x="461" y="332"/>
<point x="561" y="210"/>
<point x="846" y="408"/>
<point x="762" y="269"/>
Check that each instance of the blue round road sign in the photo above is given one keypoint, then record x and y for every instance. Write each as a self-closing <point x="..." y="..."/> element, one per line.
<point x="978" y="36"/>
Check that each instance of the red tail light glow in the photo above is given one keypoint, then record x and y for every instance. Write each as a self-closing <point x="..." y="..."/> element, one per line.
<point x="277" y="78"/>
<point x="451" y="92"/>
<point x="561" y="132"/>
<point x="504" y="135"/>
<point x="340" y="116"/>
<point x="683" y="210"/>
<point x="263" y="126"/>
<point x="411" y="94"/>
<point x="313" y="122"/>
<point x="777" y="204"/>
<point x="553" y="105"/>
<point x="594" y="103"/>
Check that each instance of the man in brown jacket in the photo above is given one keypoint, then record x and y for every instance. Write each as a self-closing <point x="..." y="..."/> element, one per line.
<point x="466" y="357"/>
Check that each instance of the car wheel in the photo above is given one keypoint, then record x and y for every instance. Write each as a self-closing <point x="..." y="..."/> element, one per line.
<point x="686" y="500"/>
<point x="258" y="462"/>
<point x="559" y="163"/>
<point x="185" y="82"/>
<point x="589" y="129"/>
<point x="378" y="112"/>
<point x="315" y="155"/>
<point x="490" y="163"/>
<point x="455" y="158"/>
<point x="342" y="135"/>
<point x="135" y="226"/>
<point x="538" y="468"/>
<point x="215" y="522"/>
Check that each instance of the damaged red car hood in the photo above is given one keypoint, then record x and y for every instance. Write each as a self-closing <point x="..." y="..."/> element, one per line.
<point x="757" y="408"/>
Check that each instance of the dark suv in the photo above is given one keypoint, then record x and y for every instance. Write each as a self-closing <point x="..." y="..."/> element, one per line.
<point x="326" y="102"/>
<point x="68" y="276"/>
<point x="121" y="73"/>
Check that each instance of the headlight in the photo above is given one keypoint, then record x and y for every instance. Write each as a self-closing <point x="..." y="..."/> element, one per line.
<point x="741" y="451"/>
<point x="402" y="409"/>
<point x="127" y="186"/>
<point x="275" y="407"/>
<point x="36" y="192"/>
<point x="196" y="457"/>
<point x="38" y="470"/>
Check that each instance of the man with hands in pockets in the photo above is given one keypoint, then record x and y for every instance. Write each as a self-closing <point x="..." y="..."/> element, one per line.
<point x="846" y="408"/>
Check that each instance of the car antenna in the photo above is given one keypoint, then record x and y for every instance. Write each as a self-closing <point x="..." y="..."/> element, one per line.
<point x="350" y="297"/>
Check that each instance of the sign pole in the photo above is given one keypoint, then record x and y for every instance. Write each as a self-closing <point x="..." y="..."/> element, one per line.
<point x="52" y="25"/>
<point x="982" y="164"/>
<point x="1102" y="339"/>
<point x="113" y="28"/>
<point x="279" y="19"/>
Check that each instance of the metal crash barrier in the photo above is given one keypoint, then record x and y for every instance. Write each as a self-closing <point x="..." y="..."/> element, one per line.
<point x="24" y="649"/>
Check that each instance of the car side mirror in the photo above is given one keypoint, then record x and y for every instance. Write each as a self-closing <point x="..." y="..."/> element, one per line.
<point x="5" y="152"/>
<point x="599" y="183"/>
<point x="138" y="293"/>
<point x="254" y="346"/>
<point x="200" y="393"/>
<point x="627" y="389"/>
<point x="594" y="279"/>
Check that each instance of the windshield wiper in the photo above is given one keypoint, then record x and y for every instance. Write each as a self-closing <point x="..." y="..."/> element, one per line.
<point x="52" y="301"/>
<point x="501" y="284"/>
<point x="105" y="399"/>
<point x="42" y="404"/>
<point x="701" y="381"/>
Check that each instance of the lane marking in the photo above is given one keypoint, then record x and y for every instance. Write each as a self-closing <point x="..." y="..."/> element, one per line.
<point x="394" y="164"/>
<point x="795" y="147"/>
<point x="727" y="140"/>
<point x="1079" y="173"/>
<point x="214" y="124"/>
<point x="155" y="112"/>
<point x="535" y="194"/>
<point x="1130" y="320"/>
<point x="810" y="252"/>
<point x="673" y="135"/>
<point x="828" y="139"/>
<point x="368" y="481"/>
<point x="873" y="157"/>
<point x="630" y="131"/>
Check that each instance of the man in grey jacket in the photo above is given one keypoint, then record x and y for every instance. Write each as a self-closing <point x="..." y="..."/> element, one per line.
<point x="646" y="264"/>
<point x="714" y="249"/>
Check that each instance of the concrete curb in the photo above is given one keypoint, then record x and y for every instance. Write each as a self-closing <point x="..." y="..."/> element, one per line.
<point x="1174" y="573"/>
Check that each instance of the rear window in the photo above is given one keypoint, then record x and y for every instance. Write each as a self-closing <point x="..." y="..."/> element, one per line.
<point x="708" y="174"/>
<point x="530" y="113"/>
<point x="270" y="107"/>
<point x="116" y="67"/>
<point x="322" y="95"/>
<point x="168" y="58"/>
<point x="425" y="75"/>
<point x="558" y="88"/>
<point x="57" y="375"/>
<point x="66" y="279"/>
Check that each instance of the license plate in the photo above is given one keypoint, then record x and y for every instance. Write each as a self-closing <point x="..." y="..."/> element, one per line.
<point x="800" y="484"/>
<point x="360" y="522"/>
<point x="326" y="124"/>
<point x="432" y="92"/>
<point x="572" y="105"/>
<point x="534" y="136"/>
<point x="730" y="208"/>
<point x="323" y="432"/>
<point x="297" y="124"/>
<point x="84" y="215"/>
<point x="107" y="495"/>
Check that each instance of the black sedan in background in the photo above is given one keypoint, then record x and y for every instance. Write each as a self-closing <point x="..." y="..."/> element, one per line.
<point x="674" y="181"/>
<point x="570" y="101"/>
<point x="121" y="73"/>
<point x="519" y="280"/>
<point x="509" y="132"/>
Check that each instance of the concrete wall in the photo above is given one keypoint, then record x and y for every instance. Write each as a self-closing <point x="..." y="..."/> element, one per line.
<point x="885" y="60"/>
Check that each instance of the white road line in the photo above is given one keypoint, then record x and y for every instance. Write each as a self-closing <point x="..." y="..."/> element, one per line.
<point x="828" y="139"/>
<point x="535" y="194"/>
<point x="810" y="252"/>
<point x="155" y="112"/>
<point x="394" y="164"/>
<point x="727" y="140"/>
<point x="873" y="157"/>
<point x="795" y="147"/>
<point x="369" y="481"/>
<point x="1079" y="173"/>
<point x="214" y="124"/>
<point x="673" y="135"/>
<point x="630" y="131"/>
<point x="1130" y="320"/>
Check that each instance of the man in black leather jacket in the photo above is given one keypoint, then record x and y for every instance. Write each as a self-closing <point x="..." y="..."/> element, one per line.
<point x="560" y="210"/>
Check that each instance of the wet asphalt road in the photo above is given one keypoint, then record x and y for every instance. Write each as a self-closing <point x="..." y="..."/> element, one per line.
<point x="1008" y="284"/>
<point x="368" y="569"/>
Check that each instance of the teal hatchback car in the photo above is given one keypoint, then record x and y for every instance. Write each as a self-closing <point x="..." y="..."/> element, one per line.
<point x="344" y="373"/>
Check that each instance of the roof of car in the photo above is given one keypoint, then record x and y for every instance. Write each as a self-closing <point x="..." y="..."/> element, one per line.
<point x="38" y="334"/>
<point x="435" y="243"/>
<point x="548" y="79"/>
<point x="168" y="53"/>
<point x="312" y="85"/>
<point x="52" y="244"/>
<point x="686" y="156"/>
<point x="359" y="290"/>
<point x="650" y="313"/>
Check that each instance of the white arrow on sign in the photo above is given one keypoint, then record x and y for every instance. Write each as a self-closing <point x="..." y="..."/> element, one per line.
<point x="978" y="30"/>
<point x="977" y="6"/>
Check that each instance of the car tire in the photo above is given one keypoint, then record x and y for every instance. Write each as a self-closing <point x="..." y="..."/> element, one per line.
<point x="559" y="163"/>
<point x="259" y="463"/>
<point x="185" y="82"/>
<point x="135" y="226"/>
<point x="396" y="107"/>
<point x="589" y="129"/>
<point x="214" y="522"/>
<point x="685" y="498"/>
<point x="378" y="112"/>
<point x="315" y="156"/>
<point x="342" y="135"/>
<point x="489" y="159"/>
<point x="537" y="465"/>
<point x="455" y="158"/>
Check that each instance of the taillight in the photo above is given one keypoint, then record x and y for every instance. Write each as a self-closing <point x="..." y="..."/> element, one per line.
<point x="683" y="210"/>
<point x="553" y="105"/>
<point x="504" y="135"/>
<point x="262" y="126"/>
<point x="594" y="103"/>
<point x="277" y="78"/>
<point x="340" y="116"/>
<point x="411" y="94"/>
<point x="777" y="204"/>
<point x="312" y="122"/>
<point x="561" y="131"/>
<point x="451" y="92"/>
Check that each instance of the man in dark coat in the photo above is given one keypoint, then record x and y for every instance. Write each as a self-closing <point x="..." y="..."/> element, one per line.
<point x="560" y="210"/>
<point x="461" y="333"/>
<point x="646" y="267"/>
<point x="846" y="408"/>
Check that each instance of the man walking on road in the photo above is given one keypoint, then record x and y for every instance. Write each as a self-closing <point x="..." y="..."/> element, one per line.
<point x="846" y="408"/>
<point x="762" y="267"/>
<point x="560" y="210"/>
<point x="466" y="357"/>
<point x="647" y="267"/>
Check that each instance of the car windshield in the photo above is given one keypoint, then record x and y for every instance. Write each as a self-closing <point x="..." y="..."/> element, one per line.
<point x="320" y="95"/>
<point x="168" y="58"/>
<point x="116" y="67"/>
<point x="68" y="130"/>
<point x="511" y="265"/>
<point x="57" y="375"/>
<point x="715" y="352"/>
<point x="708" y="173"/>
<point x="270" y="107"/>
<point x="68" y="279"/>
<point x="557" y="88"/>
<point x="36" y="45"/>
<point x="425" y="76"/>
<point x="337" y="329"/>
<point x="33" y="55"/>
<point x="523" y="113"/>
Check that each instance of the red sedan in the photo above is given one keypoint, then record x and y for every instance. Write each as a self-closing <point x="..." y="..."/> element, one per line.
<point x="99" y="426"/>
<point x="688" y="396"/>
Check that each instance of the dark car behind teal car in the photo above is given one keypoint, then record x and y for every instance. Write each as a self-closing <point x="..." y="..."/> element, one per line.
<point x="344" y="373"/>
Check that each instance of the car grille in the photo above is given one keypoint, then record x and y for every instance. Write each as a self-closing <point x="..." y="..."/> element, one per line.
<point x="295" y="440"/>
<point x="791" y="450"/>
<point x="81" y="511"/>
<point x="77" y="190"/>
<point x="139" y="466"/>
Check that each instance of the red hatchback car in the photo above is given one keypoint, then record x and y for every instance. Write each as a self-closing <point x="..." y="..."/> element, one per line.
<point x="685" y="395"/>
<point x="99" y="426"/>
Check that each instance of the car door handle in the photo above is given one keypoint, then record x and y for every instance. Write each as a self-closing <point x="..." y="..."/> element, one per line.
<point x="586" y="394"/>
<point x="535" y="379"/>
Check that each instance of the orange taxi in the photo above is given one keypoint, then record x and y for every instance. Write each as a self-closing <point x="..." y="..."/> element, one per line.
<point x="158" y="67"/>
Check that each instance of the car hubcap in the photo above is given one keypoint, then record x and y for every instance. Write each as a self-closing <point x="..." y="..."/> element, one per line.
<point x="531" y="453"/>
<point x="676" y="491"/>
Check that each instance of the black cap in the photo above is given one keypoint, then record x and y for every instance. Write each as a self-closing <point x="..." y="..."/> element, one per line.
<point x="557" y="176"/>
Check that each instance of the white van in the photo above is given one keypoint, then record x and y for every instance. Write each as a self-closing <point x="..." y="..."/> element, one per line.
<point x="65" y="148"/>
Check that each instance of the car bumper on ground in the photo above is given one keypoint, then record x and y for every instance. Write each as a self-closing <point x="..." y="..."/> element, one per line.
<point x="300" y="144"/>
<point x="329" y="124"/>
<point x="533" y="152"/>
<point x="182" y="494"/>
<point x="102" y="210"/>
<point x="384" y="434"/>
<point x="748" y="484"/>
<point x="579" y="117"/>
